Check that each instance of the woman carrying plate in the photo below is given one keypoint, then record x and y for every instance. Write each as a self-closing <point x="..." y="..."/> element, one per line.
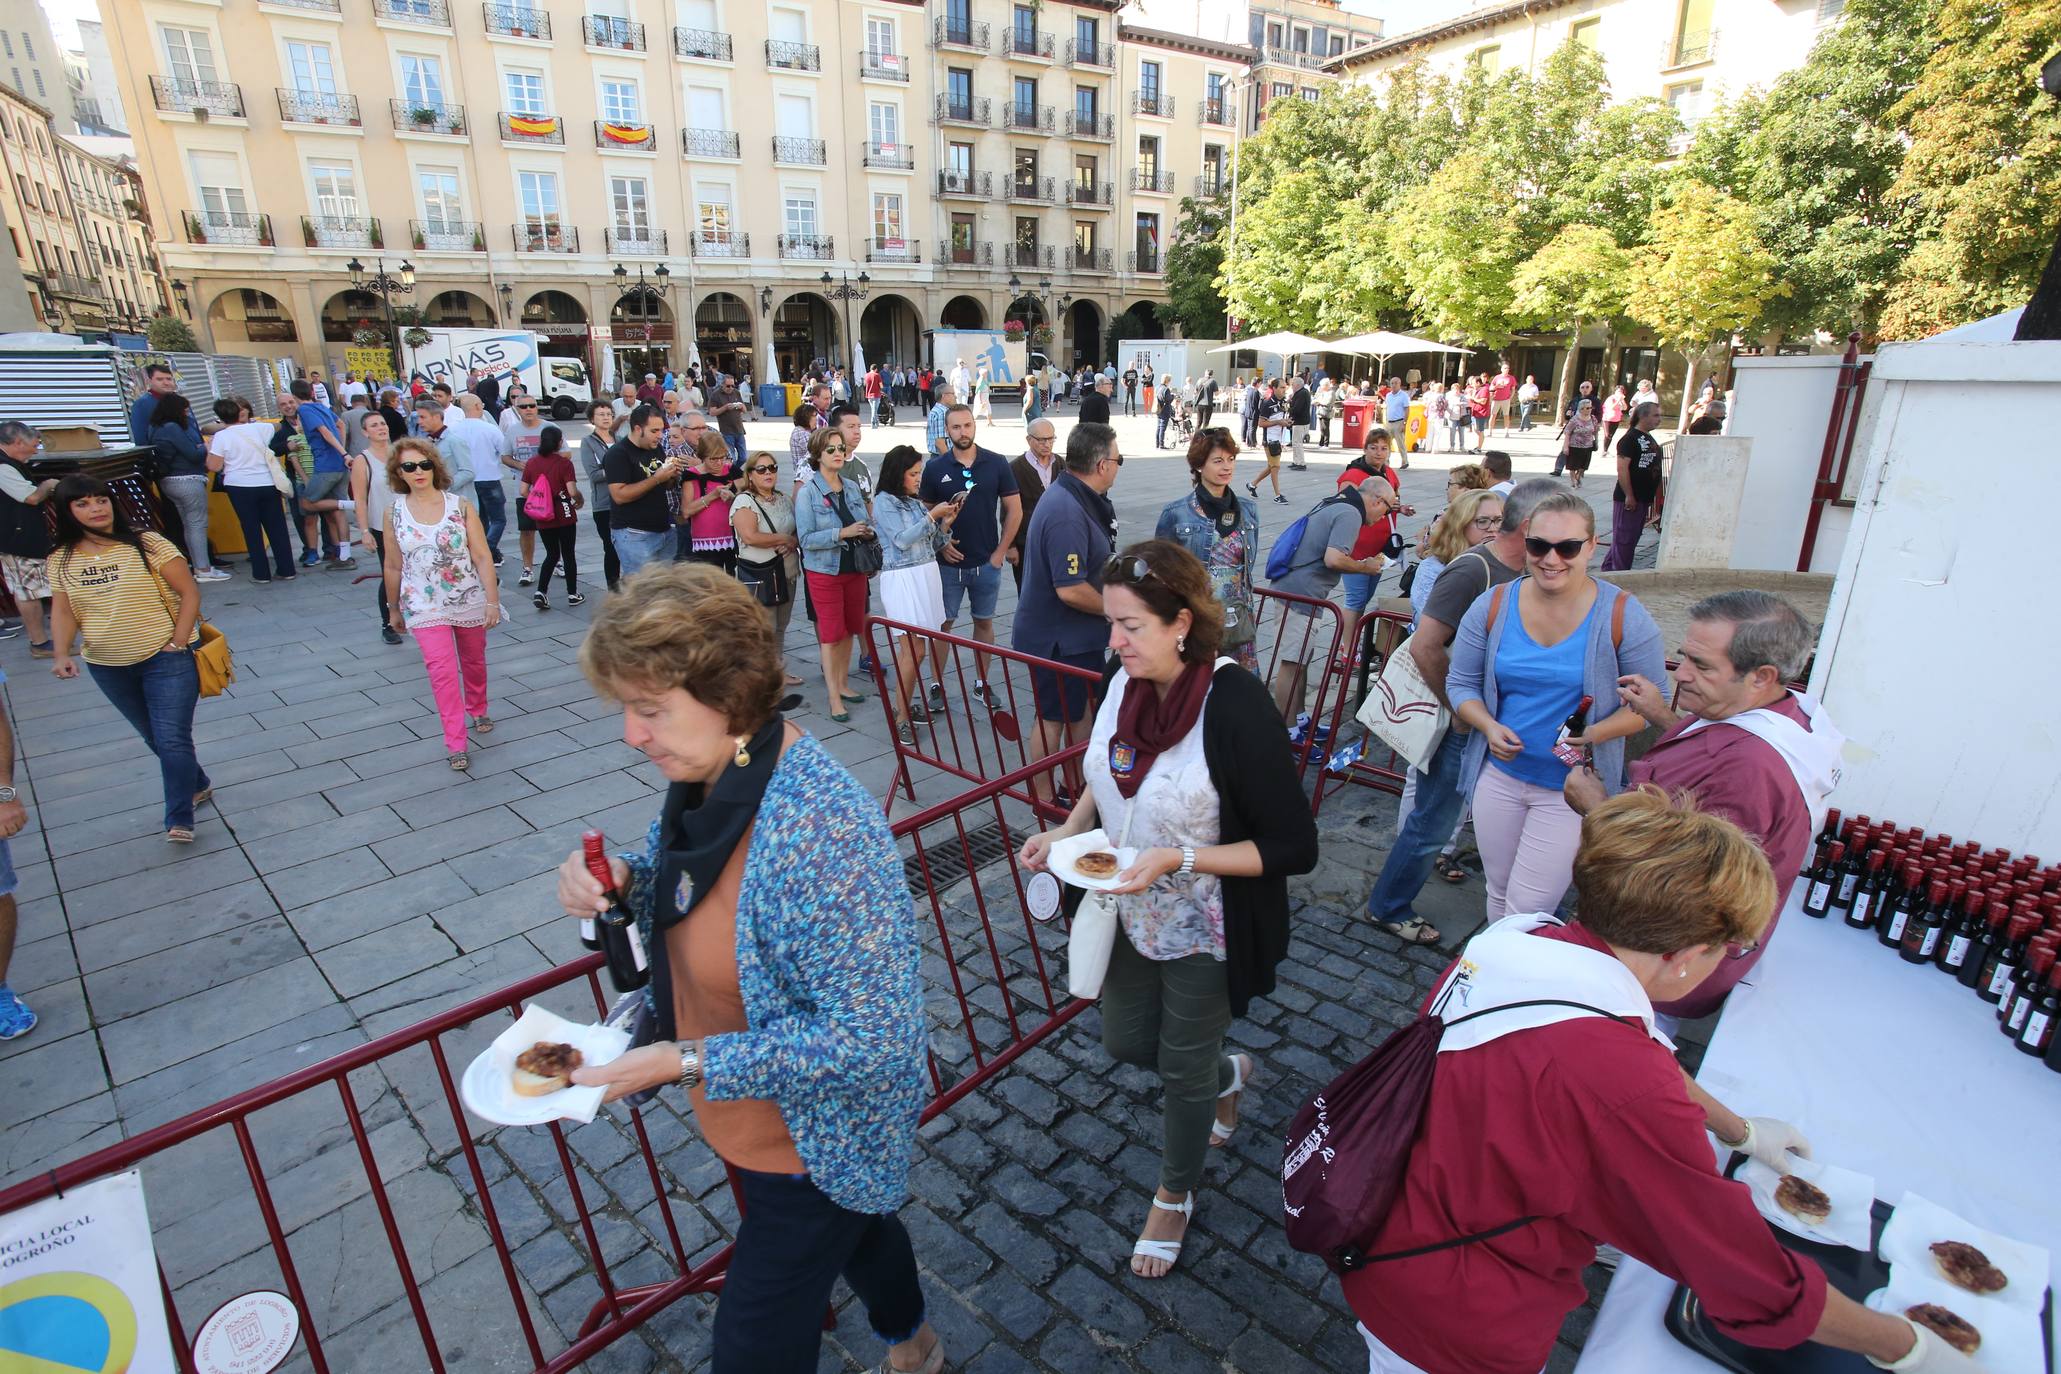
<point x="784" y="977"/>
<point x="1189" y="764"/>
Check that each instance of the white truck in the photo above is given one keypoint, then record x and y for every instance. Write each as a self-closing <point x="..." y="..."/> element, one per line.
<point x="1181" y="359"/>
<point x="1006" y="358"/>
<point x="451" y="355"/>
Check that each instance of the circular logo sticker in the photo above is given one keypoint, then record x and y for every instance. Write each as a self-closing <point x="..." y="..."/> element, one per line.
<point x="66" y="1323"/>
<point x="1041" y="896"/>
<point x="252" y="1334"/>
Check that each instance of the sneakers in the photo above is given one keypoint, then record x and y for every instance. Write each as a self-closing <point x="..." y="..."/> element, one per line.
<point x="309" y="558"/>
<point x="341" y="565"/>
<point x="16" y="1019"/>
<point x="906" y="733"/>
<point x="575" y="599"/>
<point x="980" y="694"/>
<point x="1252" y="490"/>
<point x="1280" y="500"/>
<point x="541" y="602"/>
<point x="211" y="575"/>
<point x="529" y="575"/>
<point x="1301" y="730"/>
<point x="390" y="634"/>
<point x="865" y="663"/>
<point x="919" y="714"/>
<point x="497" y="560"/>
<point x="937" y="696"/>
<point x="47" y="649"/>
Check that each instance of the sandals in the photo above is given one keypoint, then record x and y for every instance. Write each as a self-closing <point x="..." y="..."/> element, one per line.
<point x="933" y="1363"/>
<point x="481" y="725"/>
<point x="1416" y="930"/>
<point x="203" y="796"/>
<point x="1241" y="1075"/>
<point x="1167" y="1250"/>
<point x="461" y="762"/>
<point x="179" y="834"/>
<point x="1449" y="868"/>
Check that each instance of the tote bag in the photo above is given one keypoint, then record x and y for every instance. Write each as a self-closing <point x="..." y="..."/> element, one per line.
<point x="1403" y="712"/>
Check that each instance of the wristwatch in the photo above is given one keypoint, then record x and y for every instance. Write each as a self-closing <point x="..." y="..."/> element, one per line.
<point x="8" y="794"/>
<point x="1187" y="859"/>
<point x="690" y="1064"/>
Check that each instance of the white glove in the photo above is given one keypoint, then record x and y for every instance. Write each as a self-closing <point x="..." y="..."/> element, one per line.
<point x="1770" y="1141"/>
<point x="1930" y="1355"/>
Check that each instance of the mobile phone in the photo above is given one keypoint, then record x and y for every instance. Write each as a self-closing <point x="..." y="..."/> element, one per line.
<point x="960" y="499"/>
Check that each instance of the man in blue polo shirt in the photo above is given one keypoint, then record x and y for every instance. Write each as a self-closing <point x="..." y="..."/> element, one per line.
<point x="322" y="493"/>
<point x="1395" y="418"/>
<point x="1059" y="610"/>
<point x="990" y="513"/>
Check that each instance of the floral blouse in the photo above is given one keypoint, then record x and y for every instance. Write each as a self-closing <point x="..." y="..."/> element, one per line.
<point x="439" y="585"/>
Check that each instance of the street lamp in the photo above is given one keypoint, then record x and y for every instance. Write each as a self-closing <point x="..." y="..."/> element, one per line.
<point x="847" y="292"/>
<point x="386" y="288"/>
<point x="179" y="294"/>
<point x="507" y="303"/>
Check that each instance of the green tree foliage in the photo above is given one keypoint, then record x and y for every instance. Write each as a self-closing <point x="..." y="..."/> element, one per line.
<point x="170" y="334"/>
<point x="1460" y="242"/>
<point x="1194" y="260"/>
<point x="1703" y="272"/>
<point x="1577" y="278"/>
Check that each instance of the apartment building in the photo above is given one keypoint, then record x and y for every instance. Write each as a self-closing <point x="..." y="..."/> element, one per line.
<point x="754" y="183"/>
<point x="1289" y="43"/>
<point x="43" y="223"/>
<point x="101" y="103"/>
<point x="31" y="63"/>
<point x="108" y="205"/>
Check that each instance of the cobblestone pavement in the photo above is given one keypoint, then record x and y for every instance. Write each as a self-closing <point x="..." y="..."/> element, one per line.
<point x="345" y="883"/>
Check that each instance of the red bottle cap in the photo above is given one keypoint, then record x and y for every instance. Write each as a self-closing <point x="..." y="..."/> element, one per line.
<point x="1935" y="891"/>
<point x="1911" y="881"/>
<point x="593" y="846"/>
<point x="1998" y="911"/>
<point x="1835" y="851"/>
<point x="2042" y="959"/>
<point x="1875" y="863"/>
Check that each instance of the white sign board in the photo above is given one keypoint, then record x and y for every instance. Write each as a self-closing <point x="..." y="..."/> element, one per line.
<point x="79" y="1285"/>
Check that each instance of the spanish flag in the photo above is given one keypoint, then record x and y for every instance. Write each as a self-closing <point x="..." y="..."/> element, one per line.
<point x="542" y="126"/>
<point x="626" y="133"/>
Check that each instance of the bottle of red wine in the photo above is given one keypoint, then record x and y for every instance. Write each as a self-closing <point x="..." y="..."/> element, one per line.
<point x="628" y="968"/>
<point x="1573" y="755"/>
<point x="1995" y="930"/>
<point x="1921" y="933"/>
<point x="2037" y="1036"/>
<point x="1958" y="938"/>
<point x="1823" y="877"/>
<point x="2025" y="984"/>
<point x="2005" y="958"/>
<point x="1864" y="899"/>
<point x="1827" y="833"/>
<point x="1847" y="878"/>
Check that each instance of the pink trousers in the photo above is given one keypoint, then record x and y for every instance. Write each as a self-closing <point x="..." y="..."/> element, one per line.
<point x="457" y="662"/>
<point x="1527" y="835"/>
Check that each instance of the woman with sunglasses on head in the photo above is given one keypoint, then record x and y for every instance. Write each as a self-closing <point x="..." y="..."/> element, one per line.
<point x="1221" y="528"/>
<point x="768" y="553"/>
<point x="835" y="528"/>
<point x="131" y="601"/>
<point x="560" y="528"/>
<point x="1188" y="763"/>
<point x="911" y="587"/>
<point x="441" y="581"/>
<point x="1524" y="657"/>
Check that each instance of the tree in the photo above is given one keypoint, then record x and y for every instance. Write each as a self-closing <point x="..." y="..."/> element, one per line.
<point x="1576" y="278"/>
<point x="167" y="333"/>
<point x="1983" y="169"/>
<point x="1194" y="260"/>
<point x="1459" y="241"/>
<point x="1703" y="272"/>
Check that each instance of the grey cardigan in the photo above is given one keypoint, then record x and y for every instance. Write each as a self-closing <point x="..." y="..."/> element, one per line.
<point x="1472" y="676"/>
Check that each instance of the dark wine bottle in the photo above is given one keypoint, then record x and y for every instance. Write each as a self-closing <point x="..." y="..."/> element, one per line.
<point x="2004" y="959"/>
<point x="621" y="942"/>
<point x="1827" y="834"/>
<point x="2025" y="984"/>
<point x="1577" y="723"/>
<point x="1824" y="876"/>
<point x="1847" y="880"/>
<point x="1995" y="930"/>
<point x="1956" y="940"/>
<point x="2037" y="1036"/>
<point x="1919" y="940"/>
<point x="1864" y="898"/>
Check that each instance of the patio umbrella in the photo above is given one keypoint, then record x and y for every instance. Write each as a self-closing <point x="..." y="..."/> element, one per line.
<point x="1284" y="343"/>
<point x="1383" y="344"/>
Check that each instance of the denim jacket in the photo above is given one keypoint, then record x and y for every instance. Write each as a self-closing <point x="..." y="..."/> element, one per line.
<point x="909" y="538"/>
<point x="1185" y="522"/>
<point x="816" y="522"/>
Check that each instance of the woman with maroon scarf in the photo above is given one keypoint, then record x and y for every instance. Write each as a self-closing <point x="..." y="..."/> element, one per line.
<point x="1188" y="763"/>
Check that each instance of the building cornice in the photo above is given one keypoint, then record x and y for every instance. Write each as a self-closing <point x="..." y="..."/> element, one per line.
<point x="1473" y="21"/>
<point x="1184" y="42"/>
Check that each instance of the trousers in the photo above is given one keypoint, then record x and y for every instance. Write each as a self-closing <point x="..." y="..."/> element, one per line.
<point x="263" y="518"/>
<point x="611" y="561"/>
<point x="189" y="497"/>
<point x="1627" y="523"/>
<point x="1527" y="835"/>
<point x="456" y="658"/>
<point x="638" y="547"/>
<point x="386" y="613"/>
<point x="1431" y="820"/>
<point x="1171" y="1014"/>
<point x="493" y="511"/>
<point x="157" y="697"/>
<point x="558" y="549"/>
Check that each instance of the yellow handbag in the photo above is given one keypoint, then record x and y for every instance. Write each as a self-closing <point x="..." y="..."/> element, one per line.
<point x="211" y="656"/>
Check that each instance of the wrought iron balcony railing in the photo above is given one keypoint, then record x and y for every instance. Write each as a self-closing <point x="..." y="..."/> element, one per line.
<point x="806" y="151"/>
<point x="704" y="45"/>
<point x="635" y="242"/>
<point x="447" y="236"/>
<point x="807" y="246"/>
<point x="894" y="250"/>
<point x="1154" y="103"/>
<point x="198" y="98"/>
<point x="980" y="185"/>
<point x="313" y="107"/>
<point x="975" y="110"/>
<point x="517" y="21"/>
<point x="794" y="57"/>
<point x="545" y="236"/>
<point x="708" y="143"/>
<point x="709" y="244"/>
<point x="950" y="32"/>
<point x="611" y="31"/>
<point x="427" y="119"/>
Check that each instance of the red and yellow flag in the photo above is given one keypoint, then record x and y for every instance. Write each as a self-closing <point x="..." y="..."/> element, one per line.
<point x="626" y="133"/>
<point x="533" y="126"/>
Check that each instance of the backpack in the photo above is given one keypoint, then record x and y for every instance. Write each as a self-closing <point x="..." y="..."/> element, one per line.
<point x="539" y="505"/>
<point x="1281" y="557"/>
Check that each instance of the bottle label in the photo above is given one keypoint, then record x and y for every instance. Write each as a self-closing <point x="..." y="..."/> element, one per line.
<point x="2035" y="1035"/>
<point x="1816" y="897"/>
<point x="1957" y="951"/>
<point x="2018" y="1010"/>
<point x="1931" y="943"/>
<point x="636" y="939"/>
<point x="1847" y="883"/>
<point x="1999" y="979"/>
<point x="1897" y="921"/>
<point x="588" y="936"/>
<point x="1861" y="903"/>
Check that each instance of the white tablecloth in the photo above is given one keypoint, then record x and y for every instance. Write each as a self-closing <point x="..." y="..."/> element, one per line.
<point x="1891" y="1069"/>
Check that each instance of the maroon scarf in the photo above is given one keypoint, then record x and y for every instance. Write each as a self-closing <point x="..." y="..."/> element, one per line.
<point x="1148" y="724"/>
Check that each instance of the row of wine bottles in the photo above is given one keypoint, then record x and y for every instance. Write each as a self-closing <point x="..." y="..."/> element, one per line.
<point x="1989" y="919"/>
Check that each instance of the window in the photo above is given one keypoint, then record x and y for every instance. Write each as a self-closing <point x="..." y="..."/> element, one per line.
<point x="1273" y="35"/>
<point x="1026" y="91"/>
<point x="798" y="214"/>
<point x="336" y="189"/>
<point x="959" y="15"/>
<point x="713" y="217"/>
<point x="1147" y="238"/>
<point x="525" y="92"/>
<point x="883" y="125"/>
<point x="959" y="91"/>
<point x="537" y="193"/>
<point x="1309" y="93"/>
<point x="959" y="163"/>
<point x="787" y="26"/>
<point x="220" y="184"/>
<point x="1026" y="236"/>
<point x="880" y="38"/>
<point x="1148" y="157"/>
<point x="422" y="81"/>
<point x="1087" y="33"/>
<point x="1026" y="167"/>
<point x="8" y="40"/>
<point x="1300" y="41"/>
<point x="28" y="47"/>
<point x="1588" y="33"/>
<point x="1693" y="32"/>
<point x="1212" y="168"/>
<point x="793" y="117"/>
<point x="1024" y="21"/>
<point x="441" y="204"/>
<point x="1148" y="80"/>
<point x="1686" y="100"/>
<point x="705" y="108"/>
<point x="1487" y="60"/>
<point x="1085" y="99"/>
<point x="1337" y="44"/>
<point x="887" y="219"/>
<point x="1213" y="90"/>
<point x="1084" y="169"/>
<point x="962" y="238"/>
<point x="311" y="67"/>
<point x="1084" y="237"/>
<point x="1281" y="90"/>
<point x="611" y="22"/>
<point x="619" y="102"/>
<point x="37" y="72"/>
<point x="629" y="201"/>
<point x="190" y="54"/>
<point x="17" y="82"/>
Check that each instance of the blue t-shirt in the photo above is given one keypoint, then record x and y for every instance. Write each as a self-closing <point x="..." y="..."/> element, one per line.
<point x="1398" y="406"/>
<point x="328" y="457"/>
<point x="978" y="530"/>
<point x="1537" y="690"/>
<point x="1066" y="545"/>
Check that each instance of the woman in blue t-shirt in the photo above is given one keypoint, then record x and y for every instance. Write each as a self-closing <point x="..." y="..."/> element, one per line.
<point x="1525" y="656"/>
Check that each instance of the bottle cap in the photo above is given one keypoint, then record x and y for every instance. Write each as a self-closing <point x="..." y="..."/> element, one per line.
<point x="1935" y="890"/>
<point x="1875" y="862"/>
<point x="2042" y="959"/>
<point x="1910" y="872"/>
<point x="1835" y="851"/>
<point x="1832" y="820"/>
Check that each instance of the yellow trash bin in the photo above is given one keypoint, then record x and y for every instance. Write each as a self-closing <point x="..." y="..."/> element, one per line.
<point x="225" y="531"/>
<point x="1415" y="427"/>
<point x="794" y="397"/>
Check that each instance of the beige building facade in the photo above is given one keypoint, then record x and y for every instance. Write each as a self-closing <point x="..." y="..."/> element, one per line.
<point x="542" y="162"/>
<point x="44" y="227"/>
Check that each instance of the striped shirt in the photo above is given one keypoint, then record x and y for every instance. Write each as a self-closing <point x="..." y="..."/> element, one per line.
<point x="123" y="615"/>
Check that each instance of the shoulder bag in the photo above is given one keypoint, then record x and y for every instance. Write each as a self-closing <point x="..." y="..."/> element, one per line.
<point x="211" y="656"/>
<point x="768" y="581"/>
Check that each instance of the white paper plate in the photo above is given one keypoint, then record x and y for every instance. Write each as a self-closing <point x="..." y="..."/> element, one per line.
<point x="1853" y="1200"/>
<point x="2011" y="1341"/>
<point x="488" y="1090"/>
<point x="1061" y="856"/>
<point x="1917" y="1223"/>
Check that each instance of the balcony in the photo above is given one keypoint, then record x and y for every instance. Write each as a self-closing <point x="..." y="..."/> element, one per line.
<point x="894" y="250"/>
<point x="318" y="6"/>
<point x="897" y="157"/>
<point x="1144" y="260"/>
<point x="1030" y="43"/>
<point x="615" y="34"/>
<point x="448" y="120"/>
<point x="708" y="244"/>
<point x="883" y="66"/>
<point x="1101" y="194"/>
<point x="228" y="227"/>
<point x="1221" y="112"/>
<point x="545" y="236"/>
<point x="793" y="57"/>
<point x="517" y="21"/>
<point x="635" y="242"/>
<point x="309" y="107"/>
<point x="1291" y="57"/>
<point x="701" y="45"/>
<point x="1091" y="260"/>
<point x="74" y="287"/>
<point x="447" y="236"/>
<point x="1037" y="257"/>
<point x="978" y="112"/>
<point x="968" y="254"/>
<point x="1152" y="183"/>
<point x="532" y="128"/>
<point x="197" y="98"/>
<point x="617" y="138"/>
<point x="1029" y="118"/>
<point x="1036" y="190"/>
<point x="1079" y="54"/>
<point x="807" y="246"/>
<point x="341" y="231"/>
<point x="1082" y="124"/>
<point x="1153" y="103"/>
<point x="1209" y="186"/>
<point x="807" y="152"/>
<point x="969" y="185"/>
<point x="430" y="14"/>
<point x="963" y="34"/>
<point x="1689" y="49"/>
<point x="708" y="143"/>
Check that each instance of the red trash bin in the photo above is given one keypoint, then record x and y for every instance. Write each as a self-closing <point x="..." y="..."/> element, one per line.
<point x="1359" y="415"/>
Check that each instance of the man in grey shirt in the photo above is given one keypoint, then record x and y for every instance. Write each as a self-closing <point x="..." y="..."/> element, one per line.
<point x="1323" y="556"/>
<point x="485" y="448"/>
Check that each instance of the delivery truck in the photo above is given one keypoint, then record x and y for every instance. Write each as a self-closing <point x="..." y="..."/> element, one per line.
<point x="1182" y="359"/>
<point x="1006" y="357"/>
<point x="452" y="355"/>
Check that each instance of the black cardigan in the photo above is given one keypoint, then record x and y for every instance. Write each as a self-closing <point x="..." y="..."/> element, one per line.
<point x="1252" y="768"/>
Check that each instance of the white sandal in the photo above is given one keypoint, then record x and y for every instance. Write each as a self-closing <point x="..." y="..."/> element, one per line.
<point x="1218" y="1131"/>
<point x="1167" y="1250"/>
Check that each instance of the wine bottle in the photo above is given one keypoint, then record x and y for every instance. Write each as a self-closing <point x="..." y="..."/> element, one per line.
<point x="2035" y="1039"/>
<point x="1864" y="898"/>
<point x="1827" y="834"/>
<point x="2005" y="958"/>
<point x="621" y="942"/>
<point x="1995" y="930"/>
<point x="1919" y="939"/>
<point x="1823" y="877"/>
<point x="1848" y="879"/>
<point x="2018" y="998"/>
<point x="1577" y="723"/>
<point x="1957" y="939"/>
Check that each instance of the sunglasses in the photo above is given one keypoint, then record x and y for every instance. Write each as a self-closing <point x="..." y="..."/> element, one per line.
<point x="415" y="466"/>
<point x="833" y="448"/>
<point x="1127" y="569"/>
<point x="1735" y="950"/>
<point x="526" y="406"/>
<point x="765" y="468"/>
<point x="1566" y="548"/>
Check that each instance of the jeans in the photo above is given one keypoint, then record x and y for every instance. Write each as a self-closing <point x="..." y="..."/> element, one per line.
<point x="638" y="547"/>
<point x="1422" y="835"/>
<point x="792" y="1245"/>
<point x="611" y="562"/>
<point x="157" y="697"/>
<point x="1160" y="440"/>
<point x="263" y="517"/>
<point x="189" y="497"/>
<point x="493" y="512"/>
<point x="738" y="453"/>
<point x="457" y="663"/>
<point x="1627" y="523"/>
<point x="1171" y="1015"/>
<point x="1524" y="410"/>
<point x="1528" y="835"/>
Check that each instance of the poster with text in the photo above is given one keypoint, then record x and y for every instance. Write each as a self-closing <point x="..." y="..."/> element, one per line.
<point x="79" y="1288"/>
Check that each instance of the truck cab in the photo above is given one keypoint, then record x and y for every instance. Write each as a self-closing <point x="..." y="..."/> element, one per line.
<point x="567" y="388"/>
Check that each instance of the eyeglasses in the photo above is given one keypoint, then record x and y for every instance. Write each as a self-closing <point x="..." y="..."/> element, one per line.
<point x="1490" y="522"/>
<point x="417" y="467"/>
<point x="1735" y="950"/>
<point x="1566" y="548"/>
<point x="1127" y="569"/>
<point x="765" y="467"/>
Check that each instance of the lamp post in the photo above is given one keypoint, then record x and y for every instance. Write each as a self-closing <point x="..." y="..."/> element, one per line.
<point x="846" y="292"/>
<point x="386" y="288"/>
<point x="646" y="292"/>
<point x="179" y="294"/>
<point x="507" y="303"/>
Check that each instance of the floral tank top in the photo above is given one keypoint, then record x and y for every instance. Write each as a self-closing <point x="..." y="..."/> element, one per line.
<point x="439" y="585"/>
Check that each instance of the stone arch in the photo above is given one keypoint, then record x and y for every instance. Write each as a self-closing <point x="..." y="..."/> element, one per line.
<point x="247" y="315"/>
<point x="1139" y="321"/>
<point x="805" y="334"/>
<point x="1081" y="338"/>
<point x="347" y="312"/>
<point x="641" y="335"/>
<point x="458" y="310"/>
<point x="891" y="330"/>
<point x="963" y="312"/>
<point x="722" y="334"/>
<point x="553" y="307"/>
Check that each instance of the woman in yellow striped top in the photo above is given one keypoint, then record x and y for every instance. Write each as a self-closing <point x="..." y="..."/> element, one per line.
<point x="132" y="601"/>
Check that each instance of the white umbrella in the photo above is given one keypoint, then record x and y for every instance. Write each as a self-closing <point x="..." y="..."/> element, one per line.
<point x="1383" y="344"/>
<point x="1284" y="343"/>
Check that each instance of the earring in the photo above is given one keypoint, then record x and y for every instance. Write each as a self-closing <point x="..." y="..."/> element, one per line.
<point x="1681" y="973"/>
<point x="743" y="759"/>
<point x="1180" y="644"/>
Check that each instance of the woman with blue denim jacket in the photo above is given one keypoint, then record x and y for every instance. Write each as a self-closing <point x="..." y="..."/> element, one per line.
<point x="784" y="979"/>
<point x="831" y="520"/>
<point x="911" y="589"/>
<point x="1221" y="528"/>
<point x="1525" y="656"/>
